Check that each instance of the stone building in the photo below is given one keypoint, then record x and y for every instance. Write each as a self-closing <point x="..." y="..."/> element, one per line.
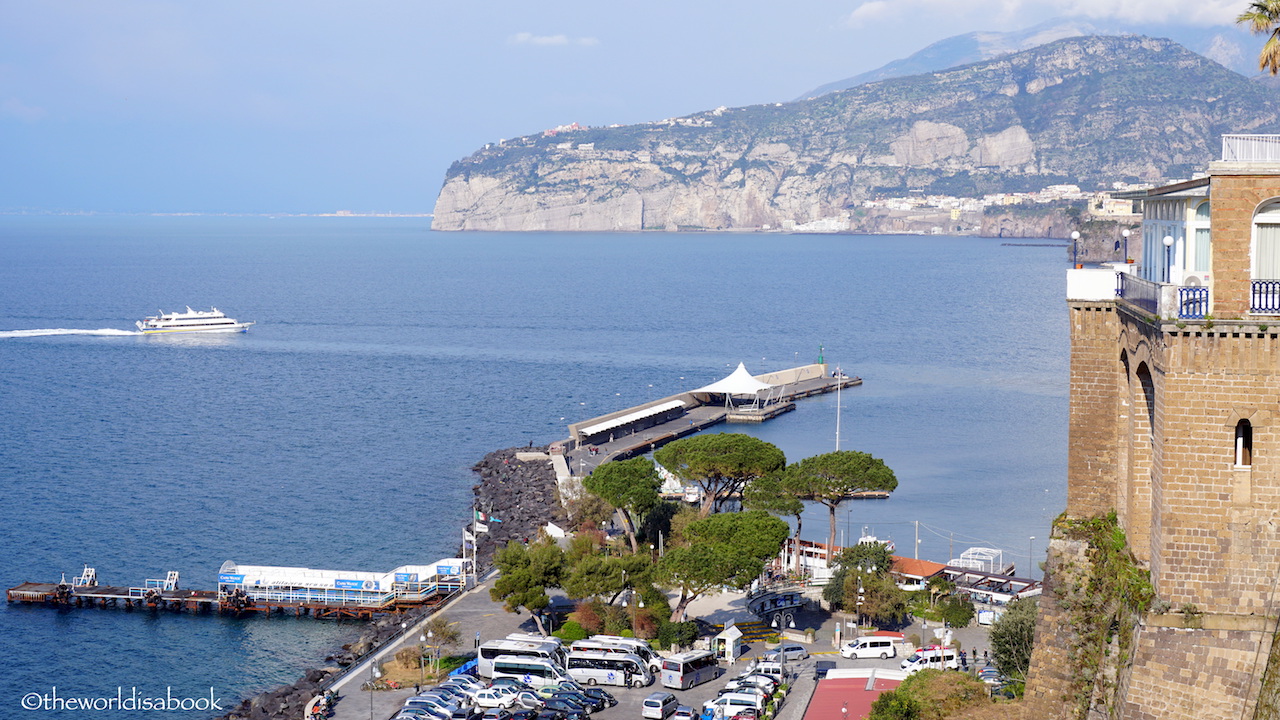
<point x="1175" y="427"/>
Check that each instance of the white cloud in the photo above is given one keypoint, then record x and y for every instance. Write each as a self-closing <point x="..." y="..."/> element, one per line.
<point x="526" y="38"/>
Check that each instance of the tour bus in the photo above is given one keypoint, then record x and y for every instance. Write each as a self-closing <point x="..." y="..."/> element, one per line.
<point x="685" y="670"/>
<point x="487" y="652"/>
<point x="648" y="657"/>
<point x="635" y="645"/>
<point x="528" y="670"/>
<point x="596" y="668"/>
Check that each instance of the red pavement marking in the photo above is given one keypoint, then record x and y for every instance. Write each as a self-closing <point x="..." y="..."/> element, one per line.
<point x="832" y="694"/>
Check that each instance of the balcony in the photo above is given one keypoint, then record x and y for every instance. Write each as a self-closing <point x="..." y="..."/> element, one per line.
<point x="1264" y="297"/>
<point x="1251" y="148"/>
<point x="1163" y="300"/>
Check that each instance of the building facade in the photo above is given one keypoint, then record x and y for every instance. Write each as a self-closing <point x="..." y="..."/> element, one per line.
<point x="1174" y="396"/>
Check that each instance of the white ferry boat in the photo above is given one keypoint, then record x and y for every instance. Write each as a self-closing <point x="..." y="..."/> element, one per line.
<point x="211" y="320"/>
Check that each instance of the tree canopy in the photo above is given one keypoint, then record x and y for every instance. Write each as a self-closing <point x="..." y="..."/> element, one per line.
<point x="723" y="550"/>
<point x="781" y="495"/>
<point x="527" y="572"/>
<point x="1013" y="636"/>
<point x="831" y="478"/>
<point x="722" y="464"/>
<point x="1263" y="16"/>
<point x="630" y="486"/>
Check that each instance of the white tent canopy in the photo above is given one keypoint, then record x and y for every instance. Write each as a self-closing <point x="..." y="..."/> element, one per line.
<point x="739" y="382"/>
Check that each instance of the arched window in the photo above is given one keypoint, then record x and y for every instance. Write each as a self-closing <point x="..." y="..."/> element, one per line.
<point x="1198" y="257"/>
<point x="1266" y="242"/>
<point x="1244" y="443"/>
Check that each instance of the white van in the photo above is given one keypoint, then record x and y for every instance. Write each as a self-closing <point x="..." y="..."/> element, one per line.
<point x="764" y="667"/>
<point x="870" y="647"/>
<point x="659" y="705"/>
<point x="732" y="703"/>
<point x="933" y="658"/>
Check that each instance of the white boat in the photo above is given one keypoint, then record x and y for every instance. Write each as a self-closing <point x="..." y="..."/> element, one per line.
<point x="211" y="320"/>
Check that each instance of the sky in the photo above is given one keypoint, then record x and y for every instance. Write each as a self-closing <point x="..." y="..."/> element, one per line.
<point x="314" y="106"/>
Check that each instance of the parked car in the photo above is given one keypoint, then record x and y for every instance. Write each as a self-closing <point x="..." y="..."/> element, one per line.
<point x="496" y="714"/>
<point x="593" y="704"/>
<point x="609" y="700"/>
<point x="746" y="714"/>
<point x="419" y="713"/>
<point x="764" y="682"/>
<point x="510" y="682"/>
<point x="790" y="652"/>
<point x="684" y="712"/>
<point x="467" y="713"/>
<point x="503" y="696"/>
<point x="465" y="680"/>
<point x="551" y="715"/>
<point x="528" y="700"/>
<point x="565" y="705"/>
<point x="524" y="715"/>
<point x="460" y="697"/>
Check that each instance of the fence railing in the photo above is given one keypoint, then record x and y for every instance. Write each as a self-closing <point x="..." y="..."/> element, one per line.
<point x="1251" y="148"/>
<point x="1265" y="297"/>
<point x="1137" y="291"/>
<point x="1164" y="300"/>
<point x="1193" y="303"/>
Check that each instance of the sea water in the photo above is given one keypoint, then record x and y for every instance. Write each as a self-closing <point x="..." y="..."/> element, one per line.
<point x="386" y="359"/>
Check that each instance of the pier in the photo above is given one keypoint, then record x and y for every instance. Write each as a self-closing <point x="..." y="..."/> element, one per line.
<point x="634" y="431"/>
<point x="264" y="590"/>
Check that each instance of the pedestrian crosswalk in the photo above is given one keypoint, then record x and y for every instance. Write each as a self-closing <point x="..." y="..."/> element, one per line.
<point x="753" y="630"/>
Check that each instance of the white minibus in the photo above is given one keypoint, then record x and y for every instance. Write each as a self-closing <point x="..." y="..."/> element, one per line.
<point x="685" y="670"/>
<point x="530" y="671"/>
<point x="596" y="668"/>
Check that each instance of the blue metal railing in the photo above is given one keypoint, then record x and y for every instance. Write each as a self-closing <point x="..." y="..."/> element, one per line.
<point x="1142" y="293"/>
<point x="1265" y="297"/>
<point x="1193" y="302"/>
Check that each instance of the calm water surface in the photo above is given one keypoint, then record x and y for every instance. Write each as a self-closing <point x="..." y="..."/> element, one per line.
<point x="340" y="430"/>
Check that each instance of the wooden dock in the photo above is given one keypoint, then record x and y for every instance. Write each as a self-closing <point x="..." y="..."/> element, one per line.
<point x="166" y="596"/>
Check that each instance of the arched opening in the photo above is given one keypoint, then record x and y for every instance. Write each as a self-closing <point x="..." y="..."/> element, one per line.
<point x="1264" y="271"/>
<point x="1141" y="461"/>
<point x="1244" y="443"/>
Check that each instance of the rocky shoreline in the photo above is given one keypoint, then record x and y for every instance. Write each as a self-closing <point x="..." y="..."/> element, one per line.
<point x="522" y="495"/>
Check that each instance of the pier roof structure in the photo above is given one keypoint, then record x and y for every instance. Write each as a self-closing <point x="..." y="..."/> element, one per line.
<point x="738" y="382"/>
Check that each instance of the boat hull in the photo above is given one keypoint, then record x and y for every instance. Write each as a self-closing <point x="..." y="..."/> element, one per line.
<point x="239" y="327"/>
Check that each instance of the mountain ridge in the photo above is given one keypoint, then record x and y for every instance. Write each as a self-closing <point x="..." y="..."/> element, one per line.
<point x="1087" y="110"/>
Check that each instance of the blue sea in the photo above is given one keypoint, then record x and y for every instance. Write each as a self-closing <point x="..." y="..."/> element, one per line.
<point x="386" y="359"/>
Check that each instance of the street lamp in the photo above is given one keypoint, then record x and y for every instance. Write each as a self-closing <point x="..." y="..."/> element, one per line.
<point x="431" y="641"/>
<point x="1075" y="242"/>
<point x="374" y="674"/>
<point x="1168" y="258"/>
<point x="422" y="662"/>
<point x="1125" y="234"/>
<point x="1030" y="555"/>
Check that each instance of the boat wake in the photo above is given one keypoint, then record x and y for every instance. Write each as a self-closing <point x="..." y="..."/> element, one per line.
<point x="64" y="331"/>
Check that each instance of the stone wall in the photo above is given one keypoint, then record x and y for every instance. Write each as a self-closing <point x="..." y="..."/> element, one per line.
<point x="1092" y="431"/>
<point x="1235" y="193"/>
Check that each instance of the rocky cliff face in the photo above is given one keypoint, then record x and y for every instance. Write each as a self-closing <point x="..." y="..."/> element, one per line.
<point x="1085" y="110"/>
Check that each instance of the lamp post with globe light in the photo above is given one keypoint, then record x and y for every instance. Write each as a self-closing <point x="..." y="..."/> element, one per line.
<point x="374" y="674"/>
<point x="422" y="661"/>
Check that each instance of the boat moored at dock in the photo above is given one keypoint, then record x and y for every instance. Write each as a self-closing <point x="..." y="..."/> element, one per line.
<point x="211" y="320"/>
